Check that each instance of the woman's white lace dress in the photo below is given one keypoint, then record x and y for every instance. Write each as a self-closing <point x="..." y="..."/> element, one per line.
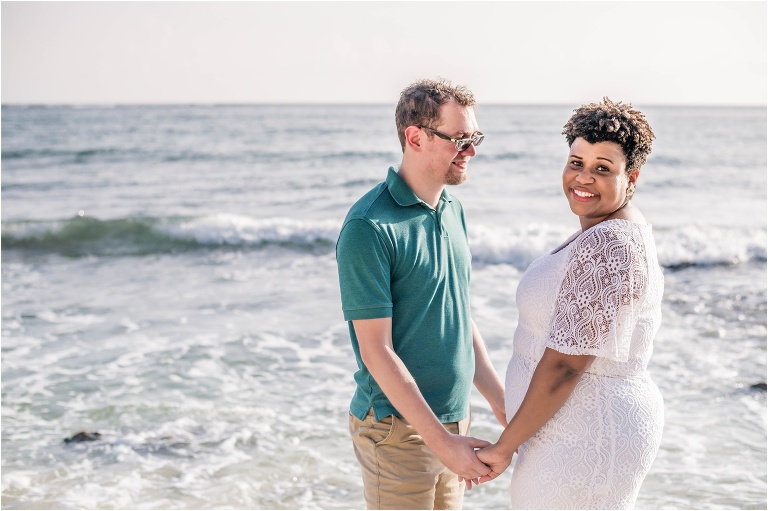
<point x="600" y="294"/>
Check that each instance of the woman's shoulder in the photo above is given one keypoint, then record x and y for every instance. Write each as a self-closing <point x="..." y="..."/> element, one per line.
<point x="614" y="234"/>
<point x="599" y="233"/>
<point x="617" y="226"/>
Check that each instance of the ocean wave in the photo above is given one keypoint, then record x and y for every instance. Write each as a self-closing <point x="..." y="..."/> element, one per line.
<point x="142" y="236"/>
<point x="515" y="247"/>
<point x="700" y="245"/>
<point x="19" y="154"/>
<point x="678" y="247"/>
<point x="225" y="229"/>
<point x="507" y="156"/>
<point x="81" y="155"/>
<point x="135" y="154"/>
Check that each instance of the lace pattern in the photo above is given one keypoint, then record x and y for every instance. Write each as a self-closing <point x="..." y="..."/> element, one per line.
<point x="600" y="295"/>
<point x="603" y="286"/>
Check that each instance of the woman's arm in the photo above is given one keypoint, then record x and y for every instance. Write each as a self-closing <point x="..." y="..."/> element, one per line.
<point x="552" y="383"/>
<point x="603" y="279"/>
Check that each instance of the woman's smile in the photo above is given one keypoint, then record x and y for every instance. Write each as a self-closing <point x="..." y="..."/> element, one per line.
<point x="581" y="194"/>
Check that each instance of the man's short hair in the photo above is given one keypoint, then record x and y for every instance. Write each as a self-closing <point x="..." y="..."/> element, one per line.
<point x="420" y="103"/>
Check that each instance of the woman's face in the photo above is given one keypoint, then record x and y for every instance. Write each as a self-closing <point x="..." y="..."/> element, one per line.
<point x="595" y="180"/>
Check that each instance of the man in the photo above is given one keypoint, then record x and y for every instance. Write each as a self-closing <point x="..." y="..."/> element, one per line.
<point x="404" y="269"/>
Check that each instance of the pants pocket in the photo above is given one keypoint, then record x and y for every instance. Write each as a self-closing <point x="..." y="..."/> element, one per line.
<point x="376" y="432"/>
<point x="383" y="431"/>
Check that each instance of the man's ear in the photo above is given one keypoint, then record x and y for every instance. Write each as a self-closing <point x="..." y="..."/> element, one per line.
<point x="413" y="138"/>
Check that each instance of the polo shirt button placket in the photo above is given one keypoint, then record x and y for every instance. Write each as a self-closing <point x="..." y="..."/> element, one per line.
<point x="440" y="228"/>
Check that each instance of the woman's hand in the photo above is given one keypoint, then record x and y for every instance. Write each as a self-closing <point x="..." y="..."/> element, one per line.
<point x="495" y="457"/>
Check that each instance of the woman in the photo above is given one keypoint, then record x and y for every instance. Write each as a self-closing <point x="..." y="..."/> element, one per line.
<point x="584" y="415"/>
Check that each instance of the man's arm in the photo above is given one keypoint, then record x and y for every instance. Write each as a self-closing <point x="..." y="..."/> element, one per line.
<point x="487" y="380"/>
<point x="455" y="451"/>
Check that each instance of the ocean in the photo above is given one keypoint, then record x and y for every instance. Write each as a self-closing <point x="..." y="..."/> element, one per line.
<point x="169" y="286"/>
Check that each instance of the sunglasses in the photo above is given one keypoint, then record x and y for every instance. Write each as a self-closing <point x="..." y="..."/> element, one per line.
<point x="462" y="144"/>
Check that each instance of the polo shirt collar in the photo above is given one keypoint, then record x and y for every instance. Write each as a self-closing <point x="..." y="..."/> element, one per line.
<point x="402" y="193"/>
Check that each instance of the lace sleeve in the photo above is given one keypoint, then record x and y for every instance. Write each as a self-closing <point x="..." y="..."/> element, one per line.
<point x="599" y="298"/>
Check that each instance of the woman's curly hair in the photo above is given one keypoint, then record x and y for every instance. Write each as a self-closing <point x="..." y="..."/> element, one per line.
<point x="612" y="122"/>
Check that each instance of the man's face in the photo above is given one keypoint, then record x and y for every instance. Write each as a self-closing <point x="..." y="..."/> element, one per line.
<point x="447" y="165"/>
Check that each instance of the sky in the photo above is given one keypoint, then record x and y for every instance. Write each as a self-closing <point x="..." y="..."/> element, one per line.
<point x="511" y="52"/>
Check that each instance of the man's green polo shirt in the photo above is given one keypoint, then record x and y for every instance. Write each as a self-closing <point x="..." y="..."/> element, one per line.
<point x="399" y="258"/>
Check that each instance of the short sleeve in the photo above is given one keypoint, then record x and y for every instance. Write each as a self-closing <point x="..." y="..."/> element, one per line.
<point x="599" y="298"/>
<point x="363" y="260"/>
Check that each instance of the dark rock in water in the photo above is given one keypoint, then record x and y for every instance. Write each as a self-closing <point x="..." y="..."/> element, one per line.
<point x="759" y="386"/>
<point x="83" y="436"/>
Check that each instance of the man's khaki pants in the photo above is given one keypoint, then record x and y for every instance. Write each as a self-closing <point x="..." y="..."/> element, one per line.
<point x="399" y="470"/>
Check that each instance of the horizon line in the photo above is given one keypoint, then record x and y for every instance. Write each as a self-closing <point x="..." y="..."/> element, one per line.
<point x="340" y="103"/>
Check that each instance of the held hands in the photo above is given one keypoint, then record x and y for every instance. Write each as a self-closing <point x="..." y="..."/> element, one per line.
<point x="458" y="453"/>
<point x="475" y="461"/>
<point x="495" y="457"/>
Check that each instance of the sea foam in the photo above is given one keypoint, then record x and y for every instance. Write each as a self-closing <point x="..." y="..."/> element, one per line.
<point x="678" y="247"/>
